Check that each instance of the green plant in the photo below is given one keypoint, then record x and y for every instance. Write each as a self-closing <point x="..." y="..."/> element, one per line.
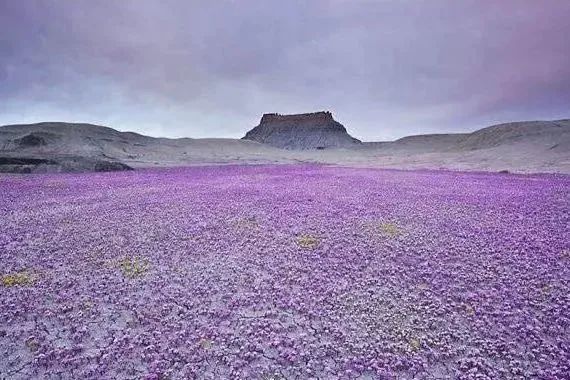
<point x="206" y="344"/>
<point x="381" y="229"/>
<point x="21" y="278"/>
<point x="415" y="344"/>
<point x="307" y="241"/>
<point x="133" y="267"/>
<point x="389" y="229"/>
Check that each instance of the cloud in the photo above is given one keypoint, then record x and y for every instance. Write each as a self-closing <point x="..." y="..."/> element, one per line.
<point x="195" y="68"/>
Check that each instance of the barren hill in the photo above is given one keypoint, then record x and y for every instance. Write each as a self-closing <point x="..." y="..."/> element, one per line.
<point x="72" y="147"/>
<point x="316" y="130"/>
<point x="535" y="146"/>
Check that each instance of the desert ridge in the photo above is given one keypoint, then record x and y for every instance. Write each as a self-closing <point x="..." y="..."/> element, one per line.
<point x="524" y="147"/>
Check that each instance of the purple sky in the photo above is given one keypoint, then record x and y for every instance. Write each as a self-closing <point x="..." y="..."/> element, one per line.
<point x="385" y="69"/>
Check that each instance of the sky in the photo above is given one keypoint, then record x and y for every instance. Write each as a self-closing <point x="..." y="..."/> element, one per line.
<point x="211" y="68"/>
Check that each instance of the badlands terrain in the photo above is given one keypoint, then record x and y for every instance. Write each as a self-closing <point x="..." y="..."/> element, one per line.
<point x="196" y="266"/>
<point x="525" y="147"/>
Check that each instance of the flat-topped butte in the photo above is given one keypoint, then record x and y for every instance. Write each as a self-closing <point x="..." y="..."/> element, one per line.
<point x="317" y="130"/>
<point x="322" y="116"/>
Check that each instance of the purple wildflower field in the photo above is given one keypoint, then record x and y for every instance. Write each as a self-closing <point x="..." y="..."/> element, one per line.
<point x="285" y="272"/>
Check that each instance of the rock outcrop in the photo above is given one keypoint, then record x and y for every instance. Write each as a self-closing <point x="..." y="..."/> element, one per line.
<point x="63" y="164"/>
<point x="316" y="130"/>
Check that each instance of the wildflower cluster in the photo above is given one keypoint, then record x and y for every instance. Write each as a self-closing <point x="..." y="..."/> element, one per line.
<point x="284" y="272"/>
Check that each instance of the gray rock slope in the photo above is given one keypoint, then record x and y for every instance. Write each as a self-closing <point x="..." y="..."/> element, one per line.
<point x="535" y="146"/>
<point x="527" y="146"/>
<point x="77" y="147"/>
<point x="316" y="130"/>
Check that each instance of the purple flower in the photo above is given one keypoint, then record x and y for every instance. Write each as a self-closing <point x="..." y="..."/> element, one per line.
<point x="203" y="273"/>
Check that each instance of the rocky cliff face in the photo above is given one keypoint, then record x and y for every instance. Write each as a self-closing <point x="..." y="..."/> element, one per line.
<point x="316" y="130"/>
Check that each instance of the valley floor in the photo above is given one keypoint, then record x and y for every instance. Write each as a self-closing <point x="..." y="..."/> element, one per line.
<point x="284" y="272"/>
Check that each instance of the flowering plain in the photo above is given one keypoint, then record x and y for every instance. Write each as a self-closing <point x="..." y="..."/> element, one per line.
<point x="284" y="272"/>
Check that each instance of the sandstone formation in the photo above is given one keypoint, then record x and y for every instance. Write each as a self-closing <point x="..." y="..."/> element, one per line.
<point x="316" y="130"/>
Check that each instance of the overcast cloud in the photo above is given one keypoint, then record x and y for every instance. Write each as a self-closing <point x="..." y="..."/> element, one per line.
<point x="210" y="68"/>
